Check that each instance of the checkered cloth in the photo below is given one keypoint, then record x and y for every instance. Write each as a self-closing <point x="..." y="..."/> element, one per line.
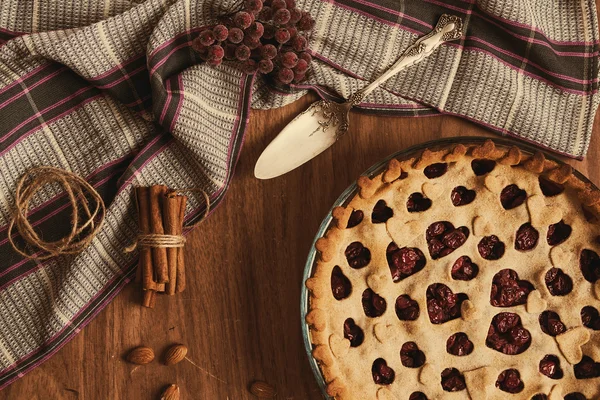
<point x="111" y="90"/>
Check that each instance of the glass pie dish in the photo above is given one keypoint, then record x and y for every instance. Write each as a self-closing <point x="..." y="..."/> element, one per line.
<point x="349" y="194"/>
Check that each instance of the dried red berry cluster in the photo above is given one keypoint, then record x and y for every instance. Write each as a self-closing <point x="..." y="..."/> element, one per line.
<point x="269" y="36"/>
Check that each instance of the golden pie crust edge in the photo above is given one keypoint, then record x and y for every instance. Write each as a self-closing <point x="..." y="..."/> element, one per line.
<point x="367" y="187"/>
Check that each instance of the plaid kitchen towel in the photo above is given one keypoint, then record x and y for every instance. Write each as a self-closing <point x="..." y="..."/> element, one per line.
<point x="111" y="90"/>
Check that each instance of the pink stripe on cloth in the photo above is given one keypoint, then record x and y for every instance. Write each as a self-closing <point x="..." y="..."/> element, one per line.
<point x="125" y="76"/>
<point x="163" y="60"/>
<point x="167" y="101"/>
<point x="394" y="12"/>
<point x="41" y="113"/>
<point x="526" y="73"/>
<point x="174" y="38"/>
<point x="24" y="136"/>
<point x="22" y="78"/>
<point x="523" y="59"/>
<point x="179" y="103"/>
<point x="116" y="68"/>
<point x="34" y="85"/>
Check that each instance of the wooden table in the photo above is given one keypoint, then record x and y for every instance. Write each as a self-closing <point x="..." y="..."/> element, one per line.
<point x="240" y="315"/>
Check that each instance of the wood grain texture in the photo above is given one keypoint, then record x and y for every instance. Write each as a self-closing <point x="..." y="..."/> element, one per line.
<point x="240" y="313"/>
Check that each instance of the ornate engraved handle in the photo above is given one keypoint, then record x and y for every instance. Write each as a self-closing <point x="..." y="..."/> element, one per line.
<point x="449" y="27"/>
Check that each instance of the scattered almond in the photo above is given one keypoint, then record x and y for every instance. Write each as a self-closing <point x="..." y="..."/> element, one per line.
<point x="175" y="354"/>
<point x="170" y="393"/>
<point x="140" y="355"/>
<point x="262" y="390"/>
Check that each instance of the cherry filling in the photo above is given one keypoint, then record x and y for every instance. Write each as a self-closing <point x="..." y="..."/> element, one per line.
<point x="507" y="335"/>
<point x="381" y="212"/>
<point x="491" y="248"/>
<point x="340" y="284"/>
<point x="404" y="262"/>
<point x="382" y="374"/>
<point x="575" y="396"/>
<point x="512" y="196"/>
<point x="442" y="304"/>
<point x="508" y="290"/>
<point x="373" y="304"/>
<point x="550" y="366"/>
<point x="540" y="396"/>
<point x="417" y="202"/>
<point x="590" y="318"/>
<point x="558" y="233"/>
<point x="411" y="356"/>
<point x="461" y="196"/>
<point x="550" y="188"/>
<point x="442" y="238"/>
<point x="589" y="263"/>
<point x="358" y="256"/>
<point x="353" y="333"/>
<point x="482" y="166"/>
<point x="453" y="380"/>
<point x="459" y="344"/>
<point x="526" y="238"/>
<point x="551" y="324"/>
<point x="510" y="381"/>
<point x="406" y="308"/>
<point x="587" y="369"/>
<point x="464" y="269"/>
<point x="418" y="396"/>
<point x="588" y="214"/>
<point x="435" y="170"/>
<point x="558" y="283"/>
<point x="355" y="218"/>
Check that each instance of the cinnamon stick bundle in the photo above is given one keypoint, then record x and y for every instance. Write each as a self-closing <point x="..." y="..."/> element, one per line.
<point x="161" y="266"/>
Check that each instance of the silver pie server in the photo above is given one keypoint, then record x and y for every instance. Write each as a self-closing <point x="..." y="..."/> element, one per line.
<point x="323" y="122"/>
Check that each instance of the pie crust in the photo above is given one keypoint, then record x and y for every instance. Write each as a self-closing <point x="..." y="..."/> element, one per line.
<point x="349" y="370"/>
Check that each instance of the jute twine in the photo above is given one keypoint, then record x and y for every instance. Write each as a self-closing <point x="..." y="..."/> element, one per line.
<point x="164" y="240"/>
<point x="83" y="197"/>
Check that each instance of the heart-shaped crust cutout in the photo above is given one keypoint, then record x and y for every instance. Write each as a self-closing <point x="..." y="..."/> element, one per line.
<point x="551" y="324"/>
<point x="461" y="196"/>
<point x="377" y="281"/>
<point x="411" y="356"/>
<point x="535" y="303"/>
<point x="339" y="346"/>
<point x="550" y="366"/>
<point x="407" y="309"/>
<point x="340" y="284"/>
<point x="381" y="331"/>
<point x="560" y="257"/>
<point x="556" y="393"/>
<point x="508" y="290"/>
<point x="507" y="334"/>
<point x="481" y="226"/>
<point x="442" y="238"/>
<point x="432" y="190"/>
<point x="427" y="374"/>
<point x="590" y="318"/>
<point x="373" y="304"/>
<point x="404" y="262"/>
<point x="418" y="203"/>
<point x="495" y="184"/>
<point x="541" y="214"/>
<point x="442" y="304"/>
<point x="571" y="341"/>
<point x="353" y="333"/>
<point x="382" y="374"/>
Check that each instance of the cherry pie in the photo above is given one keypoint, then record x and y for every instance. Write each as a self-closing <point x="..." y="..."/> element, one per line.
<point x="471" y="272"/>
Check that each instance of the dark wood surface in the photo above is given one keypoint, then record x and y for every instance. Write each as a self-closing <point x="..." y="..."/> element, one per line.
<point x="240" y="314"/>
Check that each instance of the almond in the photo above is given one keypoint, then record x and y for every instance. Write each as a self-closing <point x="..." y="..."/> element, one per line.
<point x="262" y="390"/>
<point x="140" y="355"/>
<point x="175" y="354"/>
<point x="170" y="393"/>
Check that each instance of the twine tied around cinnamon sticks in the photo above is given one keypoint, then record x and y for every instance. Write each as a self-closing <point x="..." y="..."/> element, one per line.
<point x="161" y="267"/>
<point x="87" y="215"/>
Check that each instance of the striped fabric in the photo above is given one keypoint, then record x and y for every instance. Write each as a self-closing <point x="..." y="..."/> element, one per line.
<point x="113" y="92"/>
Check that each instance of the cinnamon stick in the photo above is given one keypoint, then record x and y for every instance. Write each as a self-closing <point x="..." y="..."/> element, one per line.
<point x="145" y="262"/>
<point x="159" y="254"/>
<point x="180" y="275"/>
<point x="173" y="223"/>
<point x="149" y="298"/>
